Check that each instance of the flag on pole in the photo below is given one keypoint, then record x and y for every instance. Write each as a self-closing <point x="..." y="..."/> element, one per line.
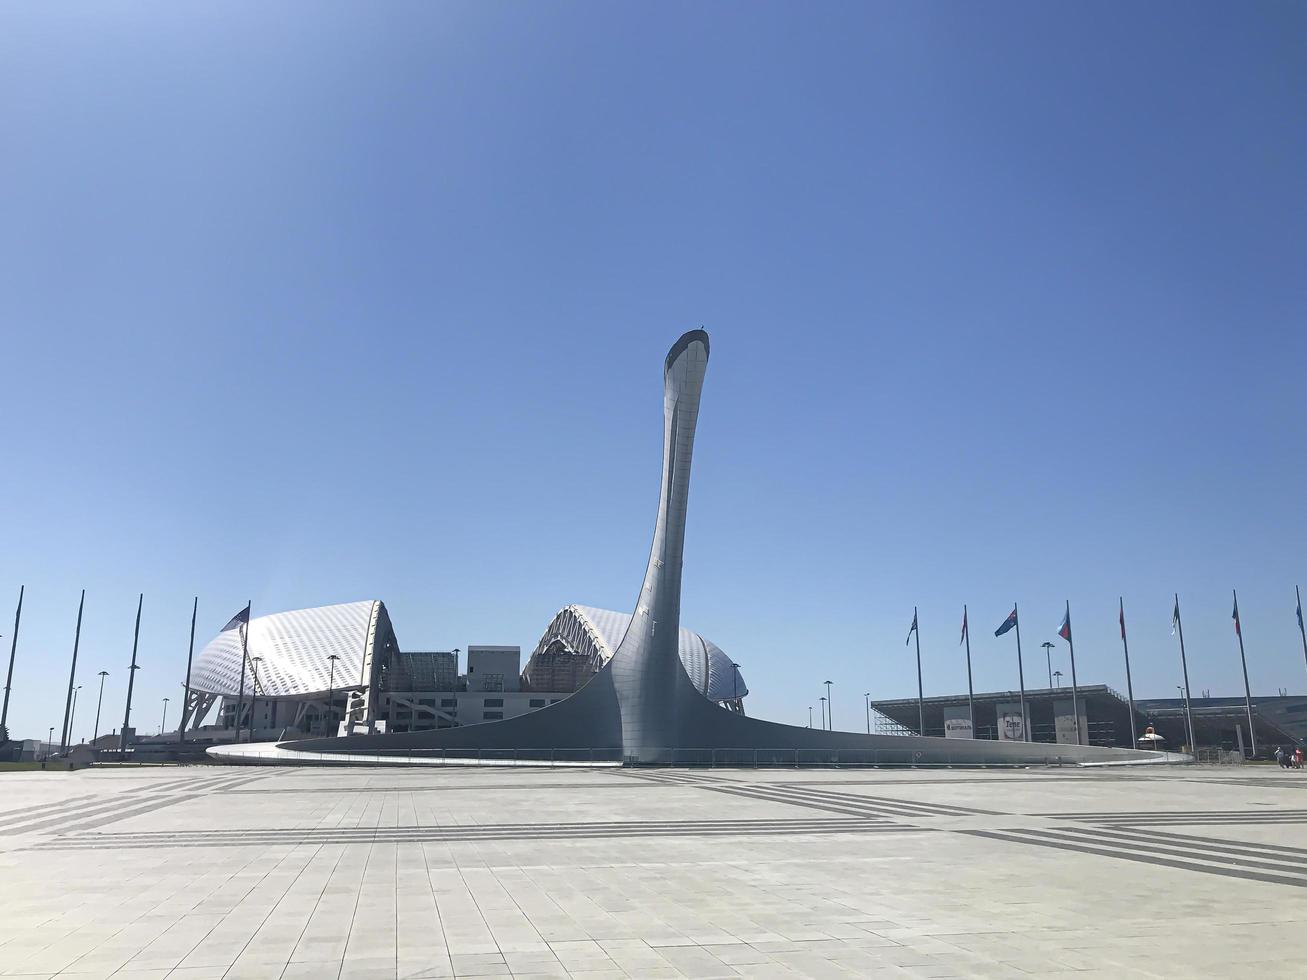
<point x="1235" y="616"/>
<point x="1123" y="621"/>
<point x="1064" y="630"/>
<point x="1007" y="623"/>
<point x="242" y="618"/>
<point x="964" y="626"/>
<point x="1299" y="614"/>
<point x="1175" y="617"/>
<point x="911" y="629"/>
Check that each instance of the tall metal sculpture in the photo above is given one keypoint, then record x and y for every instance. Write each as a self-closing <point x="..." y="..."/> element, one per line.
<point x="641" y="706"/>
<point x="646" y="665"/>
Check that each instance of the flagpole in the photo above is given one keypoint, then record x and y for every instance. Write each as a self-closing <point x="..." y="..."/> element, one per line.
<point x="1302" y="632"/>
<point x="190" y="655"/>
<point x="131" y="679"/>
<point x="13" y="649"/>
<point x="245" y="650"/>
<point x="1129" y="687"/>
<point x="1184" y="665"/>
<point x="245" y="656"/>
<point x="971" y="695"/>
<point x="921" y="697"/>
<point x="72" y="674"/>
<point x="1247" y="691"/>
<point x="1075" y="688"/>
<point x="1021" y="678"/>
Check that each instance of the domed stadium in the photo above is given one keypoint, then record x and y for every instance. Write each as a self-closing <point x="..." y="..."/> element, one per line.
<point x="581" y="639"/>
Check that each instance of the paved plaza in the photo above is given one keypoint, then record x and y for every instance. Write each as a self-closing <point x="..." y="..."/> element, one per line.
<point x="211" y="872"/>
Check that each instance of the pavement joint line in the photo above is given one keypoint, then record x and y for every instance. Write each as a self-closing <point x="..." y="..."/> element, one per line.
<point x="1144" y="823"/>
<point x="146" y="911"/>
<point x="835" y="803"/>
<point x="800" y="795"/>
<point x="1016" y="837"/>
<point x="1285" y="854"/>
<point x="1167" y="814"/>
<point x="480" y="788"/>
<point x="286" y="840"/>
<point x="931" y="809"/>
<point x="1178" y="850"/>
<point x="581" y="825"/>
<point x="1221" y="840"/>
<point x="109" y="810"/>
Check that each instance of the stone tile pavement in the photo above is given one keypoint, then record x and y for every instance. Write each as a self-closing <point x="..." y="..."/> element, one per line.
<point x="232" y="873"/>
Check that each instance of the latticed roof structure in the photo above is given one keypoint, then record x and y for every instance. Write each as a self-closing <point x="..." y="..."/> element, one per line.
<point x="581" y="639"/>
<point x="295" y="648"/>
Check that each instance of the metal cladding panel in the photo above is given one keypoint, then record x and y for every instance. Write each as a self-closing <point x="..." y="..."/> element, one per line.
<point x="295" y="647"/>
<point x="647" y="670"/>
<point x="725" y="682"/>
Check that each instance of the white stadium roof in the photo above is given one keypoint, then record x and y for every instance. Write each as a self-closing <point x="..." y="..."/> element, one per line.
<point x="598" y="632"/>
<point x="295" y="647"/>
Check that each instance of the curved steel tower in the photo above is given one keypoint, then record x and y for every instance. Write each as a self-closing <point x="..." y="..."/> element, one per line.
<point x="646" y="665"/>
<point x="641" y="705"/>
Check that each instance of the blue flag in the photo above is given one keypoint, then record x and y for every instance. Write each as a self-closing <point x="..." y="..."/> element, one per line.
<point x="1007" y="623"/>
<point x="240" y="619"/>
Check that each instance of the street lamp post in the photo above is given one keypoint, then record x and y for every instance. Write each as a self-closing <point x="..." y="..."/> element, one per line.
<point x="163" y="722"/>
<point x="867" y="698"/>
<point x="822" y="699"/>
<point x="73" y="714"/>
<point x="98" y="702"/>
<point x="830" y="708"/>
<point x="809" y="716"/>
<point x="1058" y="675"/>
<point x="331" y="689"/>
<point x="735" y="684"/>
<point x="49" y="739"/>
<point x="1048" y="655"/>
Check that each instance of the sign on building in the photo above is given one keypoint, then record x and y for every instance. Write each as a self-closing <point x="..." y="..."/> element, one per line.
<point x="957" y="721"/>
<point x="1064" y="720"/>
<point x="1011" y="726"/>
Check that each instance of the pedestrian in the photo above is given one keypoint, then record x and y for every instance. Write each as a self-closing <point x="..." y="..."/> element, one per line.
<point x="1279" y="756"/>
<point x="1298" y="754"/>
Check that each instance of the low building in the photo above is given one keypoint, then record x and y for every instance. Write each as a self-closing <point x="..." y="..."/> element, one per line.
<point x="1222" y="722"/>
<point x="1219" y="723"/>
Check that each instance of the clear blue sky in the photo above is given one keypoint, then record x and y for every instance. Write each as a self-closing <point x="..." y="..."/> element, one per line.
<point x="307" y="303"/>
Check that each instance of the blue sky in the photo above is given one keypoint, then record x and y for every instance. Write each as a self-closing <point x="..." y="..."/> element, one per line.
<point x="312" y="303"/>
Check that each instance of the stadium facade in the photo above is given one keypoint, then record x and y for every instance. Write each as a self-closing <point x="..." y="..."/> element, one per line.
<point x="339" y="669"/>
<point x="640" y="705"/>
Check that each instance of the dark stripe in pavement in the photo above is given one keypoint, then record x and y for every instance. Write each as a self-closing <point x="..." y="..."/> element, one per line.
<point x="1177" y="850"/>
<point x="480" y="788"/>
<point x="438" y="835"/>
<point x="1013" y="838"/>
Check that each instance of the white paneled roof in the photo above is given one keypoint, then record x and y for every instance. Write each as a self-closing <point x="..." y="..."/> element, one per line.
<point x="295" y="647"/>
<point x="707" y="664"/>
